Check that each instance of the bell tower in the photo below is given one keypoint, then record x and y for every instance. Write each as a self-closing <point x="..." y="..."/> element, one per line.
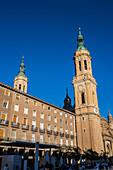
<point x="21" y="81"/>
<point x="86" y="103"/>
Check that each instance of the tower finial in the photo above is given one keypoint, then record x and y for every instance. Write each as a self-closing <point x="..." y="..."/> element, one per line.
<point x="23" y="59"/>
<point x="79" y="31"/>
<point x="80" y="40"/>
<point x="22" y="68"/>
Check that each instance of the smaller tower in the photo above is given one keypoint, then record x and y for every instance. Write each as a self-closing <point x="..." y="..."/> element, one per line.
<point x="109" y="117"/>
<point x="67" y="102"/>
<point x="21" y="81"/>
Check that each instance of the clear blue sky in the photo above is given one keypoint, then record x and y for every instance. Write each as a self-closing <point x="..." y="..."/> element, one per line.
<point x="45" y="32"/>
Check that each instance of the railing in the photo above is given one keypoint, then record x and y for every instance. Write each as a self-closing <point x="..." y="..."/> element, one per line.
<point x="14" y="124"/>
<point x="33" y="128"/>
<point x="4" y="122"/>
<point x="25" y="127"/>
<point x="72" y="136"/>
<point x="67" y="135"/>
<point x="49" y="132"/>
<point x="55" y="133"/>
<point x="61" y="134"/>
<point x="42" y="130"/>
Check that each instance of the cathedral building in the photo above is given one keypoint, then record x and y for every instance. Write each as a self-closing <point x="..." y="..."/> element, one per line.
<point x="26" y="118"/>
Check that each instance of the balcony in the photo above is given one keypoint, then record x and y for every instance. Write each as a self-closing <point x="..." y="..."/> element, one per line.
<point x="33" y="128"/>
<point x="67" y="135"/>
<point x="15" y="125"/>
<point x="49" y="132"/>
<point x="26" y="127"/>
<point x="61" y="134"/>
<point x="42" y="130"/>
<point x="55" y="133"/>
<point x="4" y="122"/>
<point x="72" y="136"/>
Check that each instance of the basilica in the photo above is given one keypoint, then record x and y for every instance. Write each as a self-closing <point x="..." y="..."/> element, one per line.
<point x="26" y="118"/>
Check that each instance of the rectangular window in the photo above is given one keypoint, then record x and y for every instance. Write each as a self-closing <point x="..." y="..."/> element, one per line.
<point x="7" y="93"/>
<point x="61" y="130"/>
<point x="41" y="125"/>
<point x="3" y="116"/>
<point x="48" y="128"/>
<point x="26" y="100"/>
<point x="25" y="110"/>
<point x="66" y="142"/>
<point x="42" y="106"/>
<point x="1" y="133"/>
<point x="66" y="131"/>
<point x="71" y="143"/>
<point x="70" y="117"/>
<point x="33" y="137"/>
<point x="42" y="116"/>
<point x="25" y="121"/>
<point x="16" y="108"/>
<point x="15" y="119"/>
<point x="66" y="122"/>
<point x="41" y="138"/>
<point x="85" y="64"/>
<point x="34" y="113"/>
<point x="60" y="113"/>
<point x="13" y="134"/>
<point x="80" y="65"/>
<point x="49" y="108"/>
<point x="55" y="120"/>
<point x="5" y="104"/>
<point x="71" y="132"/>
<point x="35" y="103"/>
<point x="33" y="123"/>
<point x="49" y="117"/>
<point x="24" y="136"/>
<point x="71" y="124"/>
<point x="17" y="96"/>
<point x="55" y="128"/>
<point x="65" y="115"/>
<point x="60" y="121"/>
<point x="61" y="141"/>
<point x="55" y="111"/>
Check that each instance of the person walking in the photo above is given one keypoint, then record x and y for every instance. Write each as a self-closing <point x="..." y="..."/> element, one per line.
<point x="6" y="167"/>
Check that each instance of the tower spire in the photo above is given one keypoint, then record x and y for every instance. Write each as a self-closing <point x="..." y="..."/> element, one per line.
<point x="22" y="68"/>
<point x="66" y="91"/>
<point x="21" y="81"/>
<point x="80" y="40"/>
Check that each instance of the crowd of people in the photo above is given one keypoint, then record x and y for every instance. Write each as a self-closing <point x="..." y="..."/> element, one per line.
<point x="94" y="165"/>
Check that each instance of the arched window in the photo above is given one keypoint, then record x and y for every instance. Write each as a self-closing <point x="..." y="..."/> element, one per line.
<point x="19" y="86"/>
<point x="80" y="65"/>
<point x="108" y="147"/>
<point x="83" y="98"/>
<point x="85" y="64"/>
<point x="24" y="88"/>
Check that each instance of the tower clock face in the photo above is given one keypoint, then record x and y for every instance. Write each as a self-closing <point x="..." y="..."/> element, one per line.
<point x="95" y="110"/>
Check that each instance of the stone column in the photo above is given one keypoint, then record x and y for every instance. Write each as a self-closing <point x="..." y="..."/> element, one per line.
<point x="36" y="155"/>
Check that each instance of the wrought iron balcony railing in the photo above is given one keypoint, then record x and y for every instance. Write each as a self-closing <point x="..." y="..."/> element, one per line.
<point x="25" y="127"/>
<point x="49" y="132"/>
<point x="61" y="134"/>
<point x="34" y="128"/>
<point x="4" y="122"/>
<point x="14" y="124"/>
<point x="67" y="135"/>
<point x="55" y="133"/>
<point x="42" y="130"/>
<point x="72" y="136"/>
